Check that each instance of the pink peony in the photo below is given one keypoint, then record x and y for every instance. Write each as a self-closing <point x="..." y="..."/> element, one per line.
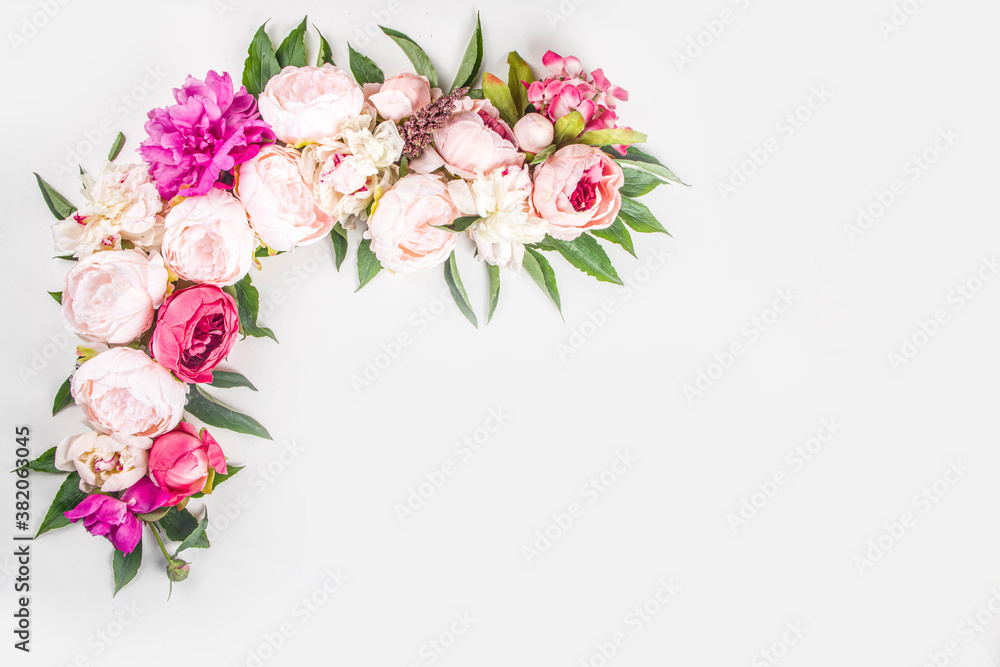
<point x="570" y="88"/>
<point x="195" y="330"/>
<point x="210" y="130"/>
<point x="179" y="461"/>
<point x="400" y="95"/>
<point x="577" y="190"/>
<point x="115" y="519"/>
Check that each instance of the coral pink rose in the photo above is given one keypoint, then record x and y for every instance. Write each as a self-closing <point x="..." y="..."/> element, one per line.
<point x="399" y="96"/>
<point x="305" y="104"/>
<point x="123" y="391"/>
<point x="474" y="138"/>
<point x="109" y="297"/>
<point x="208" y="239"/>
<point x="401" y="227"/>
<point x="179" y="461"/>
<point x="195" y="330"/>
<point x="576" y="190"/>
<point x="280" y="201"/>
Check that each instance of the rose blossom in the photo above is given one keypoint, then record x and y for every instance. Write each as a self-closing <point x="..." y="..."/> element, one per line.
<point x="474" y="137"/>
<point x="400" y="227"/>
<point x="115" y="519"/>
<point x="211" y="129"/>
<point x="179" y="461"/>
<point x="502" y="201"/>
<point x="576" y="189"/>
<point x="208" y="239"/>
<point x="280" y="201"/>
<point x="103" y="462"/>
<point x="122" y="204"/>
<point x="306" y="104"/>
<point x="534" y="132"/>
<point x="400" y="95"/>
<point x="123" y="391"/>
<point x="195" y="330"/>
<point x="109" y="297"/>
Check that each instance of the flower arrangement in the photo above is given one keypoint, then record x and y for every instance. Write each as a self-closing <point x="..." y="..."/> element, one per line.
<point x="163" y="249"/>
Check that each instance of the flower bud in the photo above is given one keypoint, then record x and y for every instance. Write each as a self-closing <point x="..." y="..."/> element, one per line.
<point x="534" y="132"/>
<point x="177" y="569"/>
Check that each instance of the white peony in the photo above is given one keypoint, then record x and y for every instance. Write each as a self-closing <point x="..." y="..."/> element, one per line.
<point x="103" y="462"/>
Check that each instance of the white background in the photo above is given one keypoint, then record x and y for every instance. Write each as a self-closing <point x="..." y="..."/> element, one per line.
<point x="352" y="456"/>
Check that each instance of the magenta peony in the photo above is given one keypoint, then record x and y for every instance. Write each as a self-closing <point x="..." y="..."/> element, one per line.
<point x="115" y="519"/>
<point x="210" y="130"/>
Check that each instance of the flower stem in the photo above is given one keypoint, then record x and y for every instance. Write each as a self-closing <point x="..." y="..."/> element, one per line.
<point x="159" y="541"/>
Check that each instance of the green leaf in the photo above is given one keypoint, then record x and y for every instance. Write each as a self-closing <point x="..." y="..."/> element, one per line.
<point x="126" y="566"/>
<point x="544" y="245"/>
<point x="325" y="52"/>
<point x="195" y="537"/>
<point x="498" y="94"/>
<point x="219" y="479"/>
<point x="155" y="515"/>
<point x="404" y="166"/>
<point x="472" y="61"/>
<point x="116" y="147"/>
<point x="368" y="264"/>
<point x="63" y="397"/>
<point x="616" y="233"/>
<point x="586" y="254"/>
<point x="229" y="379"/>
<point x="541" y="272"/>
<point x="57" y="296"/>
<point x="638" y="217"/>
<point x="420" y="61"/>
<point x="67" y="497"/>
<point x="638" y="175"/>
<point x="638" y="183"/>
<point x="569" y="127"/>
<point x="459" y="224"/>
<point x="365" y="71"/>
<point x="261" y="63"/>
<point x="60" y="208"/>
<point x="248" y="305"/>
<point x="68" y="258"/>
<point x="46" y="462"/>
<point x="339" y="237"/>
<point x="518" y="80"/>
<point x="631" y="153"/>
<point x="179" y="524"/>
<point x="293" y="49"/>
<point x="544" y="154"/>
<point x="214" y="412"/>
<point x="616" y="136"/>
<point x="476" y="94"/>
<point x="458" y="289"/>
<point x="494" y="289"/>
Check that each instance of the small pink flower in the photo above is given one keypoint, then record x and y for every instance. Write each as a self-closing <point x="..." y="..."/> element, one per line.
<point x="114" y="518"/>
<point x="573" y="89"/>
<point x="179" y="461"/>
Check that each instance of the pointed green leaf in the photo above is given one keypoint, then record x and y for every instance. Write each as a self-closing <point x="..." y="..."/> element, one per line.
<point x="638" y="183"/>
<point x="195" y="537"/>
<point x="613" y="137"/>
<point x="57" y="296"/>
<point x="214" y="412"/>
<point x="179" y="524"/>
<point x="544" y="154"/>
<point x="60" y="208"/>
<point x="126" y="566"/>
<point x="421" y="63"/>
<point x="116" y="147"/>
<point x="339" y="237"/>
<point x="639" y="172"/>
<point x="46" y="462"/>
<point x="459" y="224"/>
<point x="586" y="254"/>
<point x="293" y="49"/>
<point x="368" y="264"/>
<point x="498" y="94"/>
<point x="63" y="397"/>
<point x="365" y="71"/>
<point x="518" y="80"/>
<point x="261" y="63"/>
<point x="616" y="233"/>
<point x="229" y="379"/>
<point x="472" y="61"/>
<point x="631" y="153"/>
<point x="458" y="289"/>
<point x="541" y="272"/>
<point x="67" y="497"/>
<point x="325" y="52"/>
<point x="569" y="127"/>
<point x="639" y="217"/>
<point x="494" y="289"/>
<point x="248" y="304"/>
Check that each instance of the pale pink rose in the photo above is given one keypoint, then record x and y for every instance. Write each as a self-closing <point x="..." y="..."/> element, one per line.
<point x="304" y="104"/>
<point x="124" y="392"/>
<point x="280" y="201"/>
<point x="400" y="96"/>
<point x="576" y="189"/>
<point x="475" y="137"/>
<point x="400" y="227"/>
<point x="208" y="239"/>
<point x="103" y="462"/>
<point x="110" y="296"/>
<point x="534" y="133"/>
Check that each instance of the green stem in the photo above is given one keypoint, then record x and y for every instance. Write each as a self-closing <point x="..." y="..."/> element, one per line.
<point x="159" y="541"/>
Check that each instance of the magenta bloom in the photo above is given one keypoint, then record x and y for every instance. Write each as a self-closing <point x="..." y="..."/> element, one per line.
<point x="179" y="461"/>
<point x="570" y="88"/>
<point x="115" y="519"/>
<point x="210" y="130"/>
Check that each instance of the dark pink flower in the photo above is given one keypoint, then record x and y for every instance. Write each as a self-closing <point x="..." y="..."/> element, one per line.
<point x="195" y="329"/>
<point x="179" y="461"/>
<point x="115" y="518"/>
<point x="210" y="130"/>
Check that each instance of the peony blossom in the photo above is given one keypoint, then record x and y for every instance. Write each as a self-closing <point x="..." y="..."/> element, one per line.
<point x="195" y="330"/>
<point x="179" y="461"/>
<point x="103" y="462"/>
<point x="115" y="519"/>
<point x="307" y="104"/>
<point x="399" y="96"/>
<point x="534" y="133"/>
<point x="576" y="190"/>
<point x="110" y="297"/>
<point x="210" y="130"/>
<point x="502" y="201"/>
